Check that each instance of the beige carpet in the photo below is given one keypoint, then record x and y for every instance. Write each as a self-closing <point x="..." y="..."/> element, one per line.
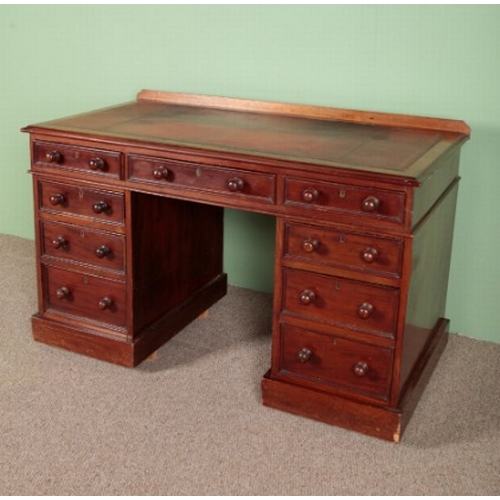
<point x="191" y="422"/>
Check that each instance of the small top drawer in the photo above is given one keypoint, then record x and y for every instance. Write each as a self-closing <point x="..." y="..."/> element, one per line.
<point x="219" y="180"/>
<point x="345" y="198"/>
<point x="94" y="161"/>
<point x="95" y="203"/>
<point x="352" y="250"/>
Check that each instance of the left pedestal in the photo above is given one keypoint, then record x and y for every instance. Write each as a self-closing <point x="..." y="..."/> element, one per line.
<point x="120" y="273"/>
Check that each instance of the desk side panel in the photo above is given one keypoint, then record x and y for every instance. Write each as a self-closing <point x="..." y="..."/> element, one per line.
<point x="431" y="251"/>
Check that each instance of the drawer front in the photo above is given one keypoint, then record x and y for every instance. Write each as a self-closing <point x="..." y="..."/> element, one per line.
<point x="343" y="302"/>
<point x="358" y="251"/>
<point x="334" y="361"/>
<point x="94" y="203"/>
<point x="83" y="245"/>
<point x="93" y="161"/>
<point x="345" y="198"/>
<point x="226" y="181"/>
<point x="86" y="296"/>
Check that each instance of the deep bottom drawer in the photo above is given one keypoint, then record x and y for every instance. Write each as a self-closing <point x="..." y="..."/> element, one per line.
<point x="85" y="296"/>
<point x="335" y="361"/>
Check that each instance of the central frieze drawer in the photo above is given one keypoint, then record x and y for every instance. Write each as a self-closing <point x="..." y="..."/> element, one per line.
<point x="218" y="180"/>
<point x="90" y="160"/>
<point x="345" y="198"/>
<point x="358" y="251"/>
<point x="87" y="202"/>
<point x="83" y="245"/>
<point x="86" y="296"/>
<point x="338" y="362"/>
<point x="343" y="302"/>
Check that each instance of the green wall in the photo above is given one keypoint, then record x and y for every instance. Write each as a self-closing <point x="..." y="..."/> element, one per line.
<point x="428" y="60"/>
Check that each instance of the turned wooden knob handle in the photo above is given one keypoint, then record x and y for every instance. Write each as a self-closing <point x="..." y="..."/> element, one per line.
<point x="369" y="254"/>
<point x="57" y="199"/>
<point x="53" y="156"/>
<point x="63" y="293"/>
<point x="307" y="297"/>
<point x="310" y="245"/>
<point x="365" y="310"/>
<point x="161" y="173"/>
<point x="60" y="242"/>
<point x="304" y="355"/>
<point x="235" y="184"/>
<point x="370" y="204"/>
<point x="105" y="303"/>
<point x="360" y="369"/>
<point x="102" y="251"/>
<point x="97" y="164"/>
<point x="100" y="207"/>
<point x="310" y="195"/>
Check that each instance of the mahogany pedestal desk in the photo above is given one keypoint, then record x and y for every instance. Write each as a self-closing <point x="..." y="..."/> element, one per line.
<point x="129" y="217"/>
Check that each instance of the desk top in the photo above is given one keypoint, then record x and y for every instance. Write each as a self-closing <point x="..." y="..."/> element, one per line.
<point x="388" y="143"/>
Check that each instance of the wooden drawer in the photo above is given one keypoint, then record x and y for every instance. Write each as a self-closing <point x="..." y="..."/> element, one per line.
<point x="226" y="181"/>
<point x="83" y="245"/>
<point x="87" y="202"/>
<point x="85" y="296"/>
<point x="357" y="251"/>
<point x="345" y="198"/>
<point x="335" y="361"/>
<point x="94" y="161"/>
<point x="343" y="302"/>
